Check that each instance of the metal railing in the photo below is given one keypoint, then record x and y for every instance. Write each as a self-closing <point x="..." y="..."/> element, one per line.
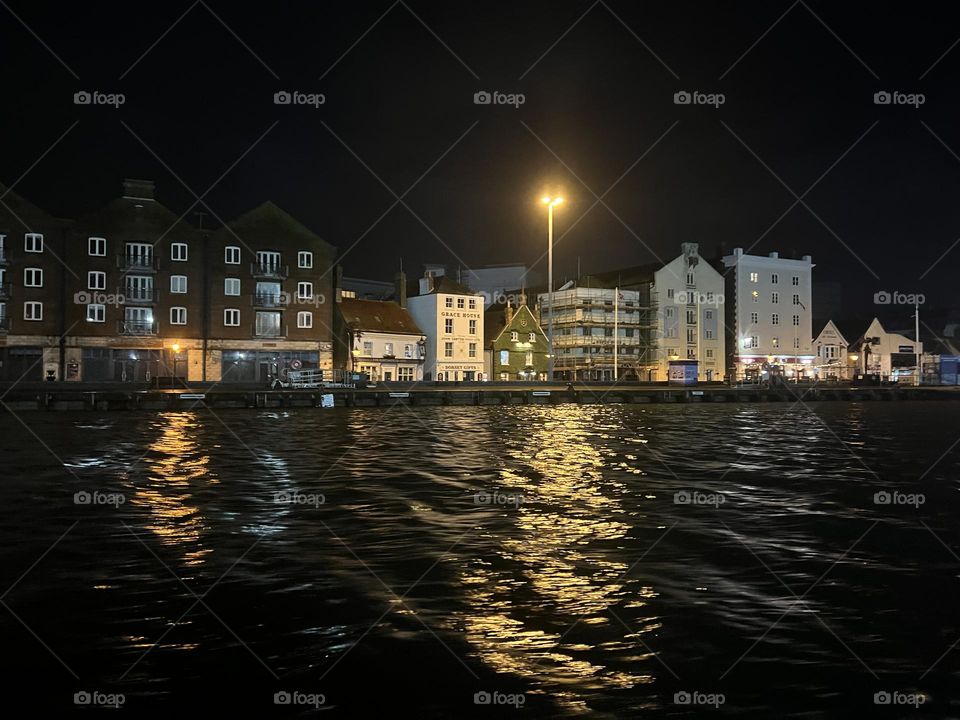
<point x="270" y="332"/>
<point x="134" y="295"/>
<point x="271" y="270"/>
<point x="271" y="300"/>
<point x="137" y="262"/>
<point x="136" y="327"/>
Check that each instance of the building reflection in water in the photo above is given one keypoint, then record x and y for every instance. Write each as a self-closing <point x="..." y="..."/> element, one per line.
<point x="177" y="469"/>
<point x="551" y="573"/>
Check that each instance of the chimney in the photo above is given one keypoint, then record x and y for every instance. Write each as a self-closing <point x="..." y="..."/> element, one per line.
<point x="138" y="189"/>
<point x="774" y="255"/>
<point x="400" y="288"/>
<point x="508" y="313"/>
<point x="338" y="283"/>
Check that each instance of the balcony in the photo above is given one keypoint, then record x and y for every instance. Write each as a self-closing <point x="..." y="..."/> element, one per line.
<point x="269" y="331"/>
<point x="268" y="300"/>
<point x="269" y="270"/>
<point x="4" y="291"/>
<point x="140" y="296"/>
<point x="136" y="327"/>
<point x="137" y="263"/>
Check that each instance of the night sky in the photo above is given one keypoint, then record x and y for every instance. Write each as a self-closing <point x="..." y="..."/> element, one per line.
<point x="599" y="81"/>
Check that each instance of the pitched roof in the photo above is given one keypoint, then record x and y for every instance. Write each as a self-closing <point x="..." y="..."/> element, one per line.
<point x="377" y="316"/>
<point x="441" y="284"/>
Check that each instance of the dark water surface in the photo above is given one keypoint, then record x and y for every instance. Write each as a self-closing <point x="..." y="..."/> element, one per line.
<point x="596" y="595"/>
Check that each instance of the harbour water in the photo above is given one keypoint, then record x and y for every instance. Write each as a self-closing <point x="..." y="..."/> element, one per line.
<point x="529" y="561"/>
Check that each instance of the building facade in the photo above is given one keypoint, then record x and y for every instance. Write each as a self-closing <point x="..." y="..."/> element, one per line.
<point x="769" y="315"/>
<point x="517" y="347"/>
<point x="892" y="356"/>
<point x="690" y="297"/>
<point x="451" y="317"/>
<point x="381" y="339"/>
<point x="132" y="293"/>
<point x="833" y="359"/>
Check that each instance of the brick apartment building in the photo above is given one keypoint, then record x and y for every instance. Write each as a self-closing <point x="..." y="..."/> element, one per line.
<point x="132" y="292"/>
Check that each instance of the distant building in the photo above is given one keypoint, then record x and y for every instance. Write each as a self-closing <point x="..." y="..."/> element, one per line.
<point x="892" y="356"/>
<point x="689" y="300"/>
<point x="769" y="315"/>
<point x="380" y="339"/>
<point x="516" y="345"/>
<point x="364" y="289"/>
<point x="497" y="282"/>
<point x="451" y="317"/>
<point x="832" y="354"/>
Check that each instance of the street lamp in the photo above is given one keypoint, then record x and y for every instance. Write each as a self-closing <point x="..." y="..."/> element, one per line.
<point x="550" y="203"/>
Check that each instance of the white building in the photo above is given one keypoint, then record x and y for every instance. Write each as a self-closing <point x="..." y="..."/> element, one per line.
<point x="769" y="314"/>
<point x="690" y="297"/>
<point x="384" y="341"/>
<point x="451" y="317"/>
<point x="890" y="355"/>
<point x="831" y="348"/>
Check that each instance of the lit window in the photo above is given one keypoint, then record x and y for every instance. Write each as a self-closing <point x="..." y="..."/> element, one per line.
<point x="33" y="310"/>
<point x="178" y="252"/>
<point x="754" y="277"/>
<point x="231" y="286"/>
<point x="304" y="259"/>
<point x="178" y="284"/>
<point x="304" y="319"/>
<point x="178" y="316"/>
<point x="231" y="255"/>
<point x="515" y="336"/>
<point x="231" y="317"/>
<point x="32" y="277"/>
<point x="33" y="243"/>
<point x="96" y="313"/>
<point x="97" y="246"/>
<point x="96" y="280"/>
<point x="533" y="337"/>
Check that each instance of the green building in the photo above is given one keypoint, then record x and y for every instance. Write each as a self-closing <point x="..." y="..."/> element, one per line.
<point x="516" y="345"/>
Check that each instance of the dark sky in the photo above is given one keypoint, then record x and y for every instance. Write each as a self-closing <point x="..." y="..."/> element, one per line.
<point x="402" y="94"/>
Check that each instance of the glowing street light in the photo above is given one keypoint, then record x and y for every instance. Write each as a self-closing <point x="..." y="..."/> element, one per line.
<point x="550" y="202"/>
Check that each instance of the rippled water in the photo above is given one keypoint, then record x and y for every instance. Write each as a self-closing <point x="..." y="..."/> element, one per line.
<point x="583" y="586"/>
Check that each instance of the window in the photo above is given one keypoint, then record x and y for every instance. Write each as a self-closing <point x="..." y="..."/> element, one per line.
<point x="473" y="303"/>
<point x="388" y="349"/>
<point x="368" y="348"/>
<point x="796" y="299"/>
<point x="33" y="242"/>
<point x="669" y="293"/>
<point x="178" y="284"/>
<point x="775" y="298"/>
<point x="691" y="335"/>
<point x="96" y="313"/>
<point x="448" y="349"/>
<point x="775" y="278"/>
<point x="775" y="319"/>
<point x="305" y="290"/>
<point x="669" y="312"/>
<point x="754" y="277"/>
<point x="754" y="317"/>
<point x="473" y="327"/>
<point x="532" y="337"/>
<point x="33" y="310"/>
<point x="709" y="353"/>
<point x="708" y="315"/>
<point x="756" y="296"/>
<point x="795" y="280"/>
<point x="529" y="359"/>
<point x="405" y="374"/>
<point x="754" y="341"/>
<point x="304" y="319"/>
<point x="775" y="341"/>
<point x="407" y="351"/>
<point x="231" y="255"/>
<point x="448" y="302"/>
<point x="708" y="334"/>
<point x="32" y="277"/>
<point x="304" y="259"/>
<point x="231" y="286"/>
<point x="178" y="252"/>
<point x="96" y="280"/>
<point x="690" y="279"/>
<point x="448" y="325"/>
<point x="178" y="316"/>
<point x="97" y="246"/>
<point x="460" y="303"/>
<point x="796" y="343"/>
<point x="231" y="317"/>
<point x="691" y="317"/>
<point x="472" y="350"/>
<point x="796" y="320"/>
<point x="514" y="336"/>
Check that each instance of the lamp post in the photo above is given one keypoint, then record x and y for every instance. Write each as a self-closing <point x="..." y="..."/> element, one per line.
<point x="550" y="203"/>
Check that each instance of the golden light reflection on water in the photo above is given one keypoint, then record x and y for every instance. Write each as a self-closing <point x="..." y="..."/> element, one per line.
<point x="547" y="573"/>
<point x="176" y="469"/>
